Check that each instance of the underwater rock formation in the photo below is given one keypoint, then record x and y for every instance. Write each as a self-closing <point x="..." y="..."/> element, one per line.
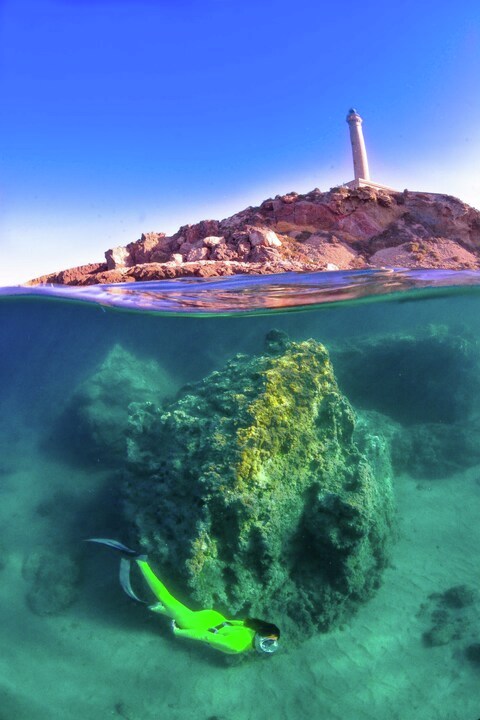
<point x="428" y="377"/>
<point x="436" y="450"/>
<point x="422" y="390"/>
<point x="426" y="450"/>
<point x="450" y="616"/>
<point x="249" y="490"/>
<point x="97" y="415"/>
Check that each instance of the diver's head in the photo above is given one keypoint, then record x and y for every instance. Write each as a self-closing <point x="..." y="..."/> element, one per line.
<point x="268" y="644"/>
<point x="266" y="637"/>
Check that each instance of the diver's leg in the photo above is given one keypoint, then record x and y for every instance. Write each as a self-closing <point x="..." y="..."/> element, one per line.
<point x="167" y="604"/>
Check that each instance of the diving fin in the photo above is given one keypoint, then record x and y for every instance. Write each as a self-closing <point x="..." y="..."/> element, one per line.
<point x="125" y="564"/>
<point x="124" y="577"/>
<point x="115" y="545"/>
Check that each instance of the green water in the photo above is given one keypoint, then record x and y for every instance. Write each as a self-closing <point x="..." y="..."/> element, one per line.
<point x="407" y="651"/>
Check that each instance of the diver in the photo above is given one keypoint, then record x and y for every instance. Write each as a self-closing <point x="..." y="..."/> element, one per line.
<point x="207" y="626"/>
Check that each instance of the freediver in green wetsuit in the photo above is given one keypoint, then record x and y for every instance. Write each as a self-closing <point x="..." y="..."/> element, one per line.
<point x="207" y="626"/>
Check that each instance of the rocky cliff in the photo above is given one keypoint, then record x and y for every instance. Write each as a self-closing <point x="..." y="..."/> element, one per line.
<point x="342" y="229"/>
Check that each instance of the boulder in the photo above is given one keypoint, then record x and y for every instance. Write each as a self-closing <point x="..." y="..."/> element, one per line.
<point x="212" y="240"/>
<point x="260" y="236"/>
<point x="205" y="228"/>
<point x="117" y="257"/>
<point x="436" y="450"/>
<point x="224" y="251"/>
<point x="244" y="248"/>
<point x="195" y="254"/>
<point x="152" y="247"/>
<point x="263" y="253"/>
<point x="250" y="492"/>
<point x="97" y="415"/>
<point x="309" y="213"/>
<point x="402" y="380"/>
<point x="405" y="376"/>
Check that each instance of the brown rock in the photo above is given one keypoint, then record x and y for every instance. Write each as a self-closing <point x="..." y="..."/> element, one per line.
<point x="213" y="240"/>
<point x="116" y="275"/>
<point x="261" y="253"/>
<point x="150" y="245"/>
<point x="259" y="236"/>
<point x="290" y="198"/>
<point x="308" y="213"/>
<point x="198" y="253"/>
<point x="74" y="276"/>
<point x="243" y="248"/>
<point x="438" y="253"/>
<point x="200" y="230"/>
<point x="117" y="257"/>
<point x="359" y="225"/>
<point x="331" y="252"/>
<point x="342" y="228"/>
<point x="185" y="248"/>
<point x="224" y="251"/>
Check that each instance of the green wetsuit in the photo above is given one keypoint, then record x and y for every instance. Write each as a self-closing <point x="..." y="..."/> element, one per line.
<point x="208" y="626"/>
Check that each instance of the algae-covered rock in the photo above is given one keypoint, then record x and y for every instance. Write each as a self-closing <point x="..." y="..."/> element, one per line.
<point x="249" y="490"/>
<point x="436" y="450"/>
<point x="97" y="415"/>
<point x="423" y="388"/>
<point x="431" y="376"/>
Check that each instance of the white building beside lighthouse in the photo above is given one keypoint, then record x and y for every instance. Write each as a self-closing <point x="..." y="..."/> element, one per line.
<point x="361" y="172"/>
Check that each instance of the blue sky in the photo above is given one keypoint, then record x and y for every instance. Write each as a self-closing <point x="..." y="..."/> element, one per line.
<point x="119" y="117"/>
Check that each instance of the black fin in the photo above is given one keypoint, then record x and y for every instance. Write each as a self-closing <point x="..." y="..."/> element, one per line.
<point x="124" y="577"/>
<point x="125" y="564"/>
<point x="115" y="545"/>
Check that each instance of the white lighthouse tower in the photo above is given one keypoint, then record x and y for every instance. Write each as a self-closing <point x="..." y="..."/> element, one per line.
<point x="359" y="153"/>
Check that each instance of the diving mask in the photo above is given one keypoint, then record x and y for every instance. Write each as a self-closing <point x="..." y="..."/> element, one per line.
<point x="266" y="644"/>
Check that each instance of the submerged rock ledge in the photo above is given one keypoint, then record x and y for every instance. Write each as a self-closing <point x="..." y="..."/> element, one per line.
<point x="342" y="229"/>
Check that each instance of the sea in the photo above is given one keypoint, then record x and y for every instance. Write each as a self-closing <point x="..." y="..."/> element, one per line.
<point x="405" y="350"/>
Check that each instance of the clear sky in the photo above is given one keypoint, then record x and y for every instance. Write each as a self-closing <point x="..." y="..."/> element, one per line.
<point x="125" y="116"/>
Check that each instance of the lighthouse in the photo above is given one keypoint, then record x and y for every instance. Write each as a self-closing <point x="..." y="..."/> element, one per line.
<point x="359" y="151"/>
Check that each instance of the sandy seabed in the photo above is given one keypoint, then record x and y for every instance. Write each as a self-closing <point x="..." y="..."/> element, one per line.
<point x="106" y="657"/>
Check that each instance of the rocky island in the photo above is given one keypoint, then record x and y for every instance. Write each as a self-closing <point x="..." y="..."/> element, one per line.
<point x="346" y="228"/>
